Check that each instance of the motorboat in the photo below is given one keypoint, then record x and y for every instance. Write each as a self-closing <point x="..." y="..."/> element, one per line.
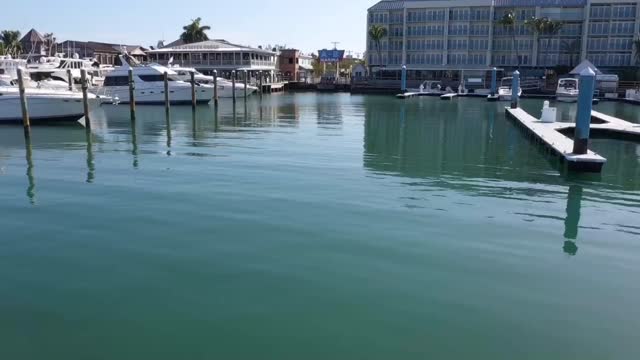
<point x="505" y="90"/>
<point x="224" y="85"/>
<point x="567" y="90"/>
<point x="149" y="85"/>
<point x="54" y="71"/>
<point x="45" y="105"/>
<point x="430" y="87"/>
<point x="9" y="67"/>
<point x="633" y="95"/>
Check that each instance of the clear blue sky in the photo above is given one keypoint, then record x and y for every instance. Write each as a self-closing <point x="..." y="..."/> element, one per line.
<point x="307" y="25"/>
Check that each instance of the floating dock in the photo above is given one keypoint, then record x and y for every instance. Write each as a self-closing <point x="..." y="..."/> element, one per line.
<point x="448" y="96"/>
<point x="549" y="136"/>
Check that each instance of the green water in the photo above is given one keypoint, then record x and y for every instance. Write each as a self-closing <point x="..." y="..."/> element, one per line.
<point x="316" y="227"/>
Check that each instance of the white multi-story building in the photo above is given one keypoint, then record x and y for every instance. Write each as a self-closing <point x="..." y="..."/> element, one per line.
<point x="437" y="35"/>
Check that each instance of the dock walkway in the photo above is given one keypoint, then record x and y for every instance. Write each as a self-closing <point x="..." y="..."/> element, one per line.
<point x="562" y="146"/>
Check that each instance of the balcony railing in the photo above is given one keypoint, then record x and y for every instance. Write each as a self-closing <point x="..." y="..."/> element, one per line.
<point x="218" y="62"/>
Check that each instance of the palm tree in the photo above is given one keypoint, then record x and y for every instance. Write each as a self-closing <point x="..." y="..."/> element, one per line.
<point x="636" y="47"/>
<point x="509" y="21"/>
<point x="49" y="42"/>
<point x="376" y="34"/>
<point x="11" y="41"/>
<point x="537" y="26"/>
<point x="573" y="48"/>
<point x="194" y="32"/>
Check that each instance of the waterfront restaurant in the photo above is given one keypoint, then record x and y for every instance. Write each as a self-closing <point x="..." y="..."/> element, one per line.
<point x="219" y="55"/>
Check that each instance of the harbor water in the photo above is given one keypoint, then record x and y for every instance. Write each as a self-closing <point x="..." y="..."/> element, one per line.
<point x="311" y="226"/>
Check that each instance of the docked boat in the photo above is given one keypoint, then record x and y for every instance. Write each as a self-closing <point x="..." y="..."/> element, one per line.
<point x="505" y="90"/>
<point x="45" y="105"/>
<point x="224" y="85"/>
<point x="53" y="72"/>
<point x="429" y="87"/>
<point x="633" y="95"/>
<point x="149" y="85"/>
<point x="567" y="90"/>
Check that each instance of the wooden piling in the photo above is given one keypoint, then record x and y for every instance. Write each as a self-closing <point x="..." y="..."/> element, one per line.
<point x="167" y="103"/>
<point x="193" y="90"/>
<point x="132" y="96"/>
<point x="246" y="84"/>
<point x="215" y="87"/>
<point x="233" y="85"/>
<point x="23" y="104"/>
<point x="70" y="79"/>
<point x="85" y="98"/>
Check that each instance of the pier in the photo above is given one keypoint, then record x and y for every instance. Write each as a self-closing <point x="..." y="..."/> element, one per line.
<point x="548" y="135"/>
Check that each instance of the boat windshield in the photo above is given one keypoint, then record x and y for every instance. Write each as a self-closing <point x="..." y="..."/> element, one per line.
<point x="568" y="85"/>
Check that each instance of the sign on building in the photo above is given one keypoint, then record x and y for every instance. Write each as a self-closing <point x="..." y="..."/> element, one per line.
<point x="330" y="55"/>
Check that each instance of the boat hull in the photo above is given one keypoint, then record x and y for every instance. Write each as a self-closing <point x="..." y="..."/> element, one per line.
<point x="155" y="95"/>
<point x="42" y="108"/>
<point x="567" y="98"/>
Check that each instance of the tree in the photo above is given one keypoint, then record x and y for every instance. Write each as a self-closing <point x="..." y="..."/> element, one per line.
<point x="50" y="43"/>
<point x="376" y="34"/>
<point x="194" y="32"/>
<point x="573" y="48"/>
<point x="11" y="41"/>
<point x="544" y="27"/>
<point x="636" y="47"/>
<point x="508" y="21"/>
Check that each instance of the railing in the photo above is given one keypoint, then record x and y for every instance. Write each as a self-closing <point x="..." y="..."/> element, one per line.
<point x="214" y="62"/>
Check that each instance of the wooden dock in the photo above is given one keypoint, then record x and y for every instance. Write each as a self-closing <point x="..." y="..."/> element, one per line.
<point x="549" y="136"/>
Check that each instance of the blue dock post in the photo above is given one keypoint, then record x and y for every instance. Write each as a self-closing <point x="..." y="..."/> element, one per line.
<point x="515" y="89"/>
<point x="403" y="85"/>
<point x="494" y="81"/>
<point x="585" y="106"/>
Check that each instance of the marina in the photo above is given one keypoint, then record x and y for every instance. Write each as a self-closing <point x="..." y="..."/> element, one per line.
<point x="232" y="187"/>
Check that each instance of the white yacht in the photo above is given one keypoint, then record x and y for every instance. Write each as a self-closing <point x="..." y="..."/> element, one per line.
<point x="633" y="94"/>
<point x="44" y="105"/>
<point x="9" y="66"/>
<point x="224" y="85"/>
<point x="505" y="90"/>
<point x="567" y="90"/>
<point x="52" y="71"/>
<point x="149" y="85"/>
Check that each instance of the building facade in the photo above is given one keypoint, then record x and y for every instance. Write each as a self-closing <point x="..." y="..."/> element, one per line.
<point x="104" y="53"/>
<point x="464" y="34"/>
<point x="219" y="55"/>
<point x="295" y="66"/>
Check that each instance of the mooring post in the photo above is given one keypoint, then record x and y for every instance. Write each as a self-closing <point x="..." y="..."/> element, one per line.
<point x="23" y="104"/>
<point x="246" y="84"/>
<point x="193" y="90"/>
<point x="70" y="79"/>
<point x="494" y="81"/>
<point x="585" y="106"/>
<point x="167" y="101"/>
<point x="85" y="98"/>
<point x="233" y="85"/>
<point x="215" y="87"/>
<point x="515" y="89"/>
<point x="403" y="82"/>
<point x="132" y="96"/>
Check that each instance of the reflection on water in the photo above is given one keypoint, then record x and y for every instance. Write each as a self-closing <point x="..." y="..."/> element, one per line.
<point x="572" y="220"/>
<point x="31" y="188"/>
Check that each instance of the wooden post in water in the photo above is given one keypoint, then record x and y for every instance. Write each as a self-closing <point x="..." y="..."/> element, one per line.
<point x="132" y="96"/>
<point x="70" y="79"/>
<point x="233" y="85"/>
<point x="85" y="98"/>
<point x="167" y="103"/>
<point x="246" y="84"/>
<point x="193" y="90"/>
<point x="23" y="104"/>
<point x="215" y="88"/>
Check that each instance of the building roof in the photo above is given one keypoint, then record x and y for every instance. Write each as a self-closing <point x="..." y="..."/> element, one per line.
<point x="32" y="36"/>
<point x="209" y="46"/>
<point x="584" y="65"/>
<point x="388" y="5"/>
<point x="106" y="47"/>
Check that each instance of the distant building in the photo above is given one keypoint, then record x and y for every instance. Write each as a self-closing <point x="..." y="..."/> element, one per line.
<point x="359" y="71"/>
<point x="104" y="53"/>
<point x="219" y="55"/>
<point x="295" y="66"/>
<point x="434" y="35"/>
<point x="33" y="43"/>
